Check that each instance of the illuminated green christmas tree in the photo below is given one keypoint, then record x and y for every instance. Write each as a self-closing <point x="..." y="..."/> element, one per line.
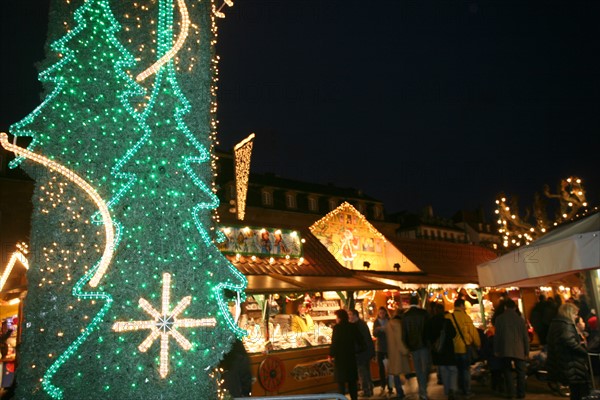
<point x="126" y="296"/>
